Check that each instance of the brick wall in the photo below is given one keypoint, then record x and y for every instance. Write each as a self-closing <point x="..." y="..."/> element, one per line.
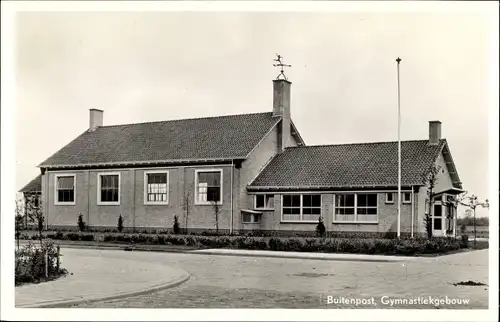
<point x="135" y="213"/>
<point x="387" y="218"/>
<point x="252" y="166"/>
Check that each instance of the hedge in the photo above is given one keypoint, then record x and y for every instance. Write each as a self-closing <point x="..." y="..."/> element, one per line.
<point x="225" y="232"/>
<point x="387" y="246"/>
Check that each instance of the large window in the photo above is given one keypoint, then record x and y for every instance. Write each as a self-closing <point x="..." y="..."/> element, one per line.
<point x="301" y="207"/>
<point x="109" y="188"/>
<point x="65" y="189"/>
<point x="356" y="207"/>
<point x="156" y="187"/>
<point x="208" y="186"/>
<point x="264" y="202"/>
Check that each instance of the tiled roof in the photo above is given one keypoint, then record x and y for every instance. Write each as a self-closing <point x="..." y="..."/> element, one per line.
<point x="34" y="185"/>
<point x="232" y="136"/>
<point x="349" y="165"/>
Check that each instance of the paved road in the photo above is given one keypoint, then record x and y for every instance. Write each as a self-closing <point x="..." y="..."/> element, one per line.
<point x="252" y="282"/>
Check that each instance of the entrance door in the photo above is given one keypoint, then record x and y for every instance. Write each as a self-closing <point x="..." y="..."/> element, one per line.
<point x="437" y="221"/>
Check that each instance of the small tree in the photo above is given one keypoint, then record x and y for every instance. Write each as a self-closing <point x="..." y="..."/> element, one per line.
<point x="185" y="204"/>
<point x="463" y="228"/>
<point x="176" y="225"/>
<point x="19" y="228"/>
<point x="120" y="223"/>
<point x="320" y="228"/>
<point x="81" y="223"/>
<point x="472" y="203"/>
<point x="35" y="214"/>
<point x="430" y="178"/>
<point x="428" y="224"/>
<point x="216" y="209"/>
<point x="19" y="223"/>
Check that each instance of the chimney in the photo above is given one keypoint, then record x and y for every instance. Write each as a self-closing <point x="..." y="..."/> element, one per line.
<point x="96" y="117"/>
<point x="281" y="108"/>
<point x="434" y="132"/>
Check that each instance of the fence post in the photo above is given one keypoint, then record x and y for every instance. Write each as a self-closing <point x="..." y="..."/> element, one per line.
<point x="58" y="249"/>
<point x="46" y="264"/>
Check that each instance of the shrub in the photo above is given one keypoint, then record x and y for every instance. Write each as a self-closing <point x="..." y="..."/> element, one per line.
<point x="30" y="263"/>
<point x="390" y="235"/>
<point x="177" y="227"/>
<point x="464" y="241"/>
<point x="81" y="223"/>
<point x="87" y="237"/>
<point x="320" y="228"/>
<point x="120" y="224"/>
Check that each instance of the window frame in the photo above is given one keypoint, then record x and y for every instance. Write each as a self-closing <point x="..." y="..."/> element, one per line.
<point x="387" y="201"/>
<point x="146" y="201"/>
<point x="208" y="203"/>
<point x="254" y="216"/>
<point x="265" y="203"/>
<point x="301" y="207"/>
<point x="108" y="203"/>
<point x="403" y="199"/>
<point x="355" y="221"/>
<point x="56" y="194"/>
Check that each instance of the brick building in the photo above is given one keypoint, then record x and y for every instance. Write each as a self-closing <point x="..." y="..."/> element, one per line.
<point x="255" y="167"/>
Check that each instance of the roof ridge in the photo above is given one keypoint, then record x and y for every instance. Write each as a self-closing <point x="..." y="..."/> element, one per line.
<point x="356" y="143"/>
<point x="188" y="119"/>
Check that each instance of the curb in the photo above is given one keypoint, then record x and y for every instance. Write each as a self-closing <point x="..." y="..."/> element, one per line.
<point x="65" y="303"/>
<point x="324" y="258"/>
<point x="114" y="246"/>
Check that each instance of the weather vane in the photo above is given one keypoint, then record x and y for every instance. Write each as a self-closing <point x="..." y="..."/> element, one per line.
<point x="281" y="65"/>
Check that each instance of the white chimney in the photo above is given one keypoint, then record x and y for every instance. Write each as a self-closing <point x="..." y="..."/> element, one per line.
<point x="96" y="117"/>
<point x="434" y="132"/>
<point x="281" y="108"/>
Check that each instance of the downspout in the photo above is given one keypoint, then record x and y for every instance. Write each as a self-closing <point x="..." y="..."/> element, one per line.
<point x="88" y="197"/>
<point x="46" y="199"/>
<point x="232" y="187"/>
<point x="133" y="200"/>
<point x="412" y="210"/>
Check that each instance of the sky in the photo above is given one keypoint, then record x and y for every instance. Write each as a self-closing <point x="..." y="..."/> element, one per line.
<point x="152" y="66"/>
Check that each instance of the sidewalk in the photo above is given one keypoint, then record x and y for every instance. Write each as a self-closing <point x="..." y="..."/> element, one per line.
<point x="96" y="276"/>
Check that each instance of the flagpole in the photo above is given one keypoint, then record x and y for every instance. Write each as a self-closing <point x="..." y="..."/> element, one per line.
<point x="398" y="60"/>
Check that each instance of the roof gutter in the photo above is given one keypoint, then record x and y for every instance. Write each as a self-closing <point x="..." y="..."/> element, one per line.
<point x="135" y="163"/>
<point x="286" y="188"/>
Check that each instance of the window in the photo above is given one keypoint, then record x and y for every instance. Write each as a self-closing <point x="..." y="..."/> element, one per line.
<point x="250" y="218"/>
<point x="389" y="197"/>
<point x="109" y="189"/>
<point x="156" y="187"/>
<point x="356" y="207"/>
<point x="437" y="217"/>
<point x="65" y="189"/>
<point x="208" y="186"/>
<point x="264" y="202"/>
<point x="406" y="197"/>
<point x="301" y="207"/>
